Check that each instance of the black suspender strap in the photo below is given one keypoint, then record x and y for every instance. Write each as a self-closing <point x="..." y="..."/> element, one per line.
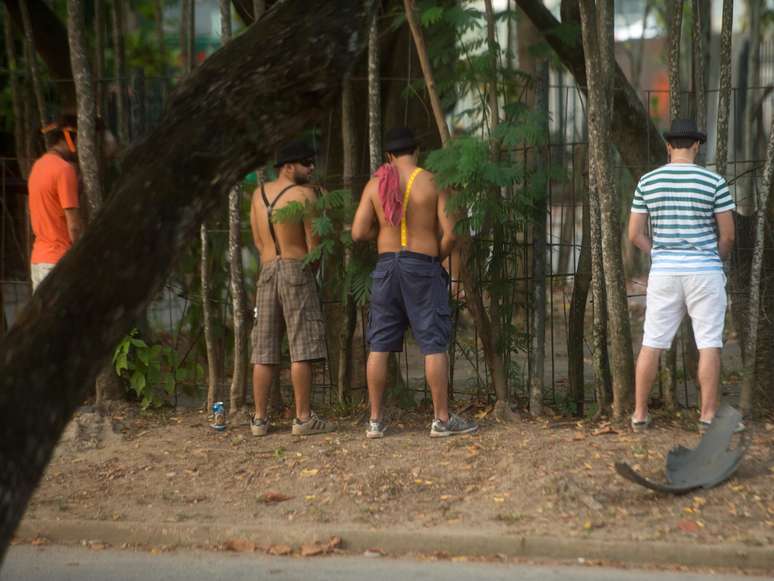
<point x="269" y="210"/>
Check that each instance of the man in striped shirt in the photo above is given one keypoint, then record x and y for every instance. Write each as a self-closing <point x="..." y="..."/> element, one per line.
<point x="691" y="232"/>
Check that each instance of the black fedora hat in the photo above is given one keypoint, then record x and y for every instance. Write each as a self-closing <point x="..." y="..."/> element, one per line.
<point x="685" y="128"/>
<point x="399" y="139"/>
<point x="297" y="150"/>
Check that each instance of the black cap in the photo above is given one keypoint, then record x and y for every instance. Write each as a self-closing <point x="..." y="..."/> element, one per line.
<point x="296" y="150"/>
<point x="399" y="139"/>
<point x="685" y="128"/>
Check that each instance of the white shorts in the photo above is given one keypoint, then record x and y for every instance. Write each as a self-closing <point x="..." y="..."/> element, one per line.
<point x="669" y="297"/>
<point x="40" y="271"/>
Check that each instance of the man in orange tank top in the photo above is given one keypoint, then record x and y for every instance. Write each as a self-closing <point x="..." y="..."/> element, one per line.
<point x="53" y="199"/>
<point x="403" y="209"/>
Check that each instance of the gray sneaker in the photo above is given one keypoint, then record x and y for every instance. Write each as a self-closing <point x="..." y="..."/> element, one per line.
<point x="314" y="425"/>
<point x="704" y="425"/>
<point x="259" y="427"/>
<point x="376" y="429"/>
<point x="456" y="425"/>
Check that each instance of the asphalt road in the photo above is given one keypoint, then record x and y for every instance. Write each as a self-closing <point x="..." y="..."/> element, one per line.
<point x="27" y="563"/>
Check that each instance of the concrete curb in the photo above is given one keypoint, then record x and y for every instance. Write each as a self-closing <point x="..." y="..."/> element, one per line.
<point x="404" y="542"/>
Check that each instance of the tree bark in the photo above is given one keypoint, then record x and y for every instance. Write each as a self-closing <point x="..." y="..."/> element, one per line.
<point x="597" y="26"/>
<point x="674" y="27"/>
<point x="32" y="64"/>
<point x="603" y="387"/>
<point x="161" y="45"/>
<point x="577" y="316"/>
<point x="374" y="96"/>
<point x="638" y="141"/>
<point x="224" y="119"/>
<point x="749" y="381"/>
<point x="349" y="319"/>
<point x="539" y="235"/>
<point x="119" y="69"/>
<point x="699" y="74"/>
<point x="99" y="57"/>
<point x="724" y="94"/>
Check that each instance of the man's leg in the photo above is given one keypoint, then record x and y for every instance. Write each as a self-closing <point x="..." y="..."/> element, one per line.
<point x="301" y="377"/>
<point x="437" y="373"/>
<point x="376" y="376"/>
<point x="647" y="369"/>
<point x="709" y="381"/>
<point x="263" y="375"/>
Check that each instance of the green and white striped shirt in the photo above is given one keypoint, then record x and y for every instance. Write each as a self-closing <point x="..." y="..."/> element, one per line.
<point x="681" y="200"/>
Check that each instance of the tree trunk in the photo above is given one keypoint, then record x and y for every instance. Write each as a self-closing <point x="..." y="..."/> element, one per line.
<point x="349" y="319"/>
<point x="597" y="26"/>
<point x="19" y="130"/>
<point x="539" y="234"/>
<point x="233" y="111"/>
<point x="724" y="94"/>
<point x="674" y="26"/>
<point x="749" y="381"/>
<point x="119" y="70"/>
<point x="577" y="317"/>
<point x="99" y="57"/>
<point x="699" y="58"/>
<point x="32" y="64"/>
<point x="161" y="45"/>
<point x="259" y="7"/>
<point x="603" y="388"/>
<point x="637" y="64"/>
<point x="374" y="96"/>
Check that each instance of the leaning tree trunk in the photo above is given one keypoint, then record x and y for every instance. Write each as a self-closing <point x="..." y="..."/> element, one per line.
<point x="699" y="57"/>
<point x="99" y="57"/>
<point x="597" y="26"/>
<point x="749" y="382"/>
<point x="239" y="375"/>
<point x="233" y="112"/>
<point x="119" y="69"/>
<point x="20" y="133"/>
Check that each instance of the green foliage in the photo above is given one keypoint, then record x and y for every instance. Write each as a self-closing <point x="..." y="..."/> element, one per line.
<point x="151" y="371"/>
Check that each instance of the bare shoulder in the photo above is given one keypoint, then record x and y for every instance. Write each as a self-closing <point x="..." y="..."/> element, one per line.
<point x="308" y="193"/>
<point x="371" y="187"/>
<point x="427" y="179"/>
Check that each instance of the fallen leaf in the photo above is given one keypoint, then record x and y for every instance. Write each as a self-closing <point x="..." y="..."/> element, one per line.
<point x="373" y="553"/>
<point x="271" y="497"/>
<point x="312" y="550"/>
<point x="239" y="545"/>
<point x="605" y="429"/>
<point x="688" y="526"/>
<point x="279" y="550"/>
<point x="579" y="436"/>
<point x="306" y="472"/>
<point x="40" y="541"/>
<point x="334" y="543"/>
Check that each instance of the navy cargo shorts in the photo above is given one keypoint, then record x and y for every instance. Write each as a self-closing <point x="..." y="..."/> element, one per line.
<point x="409" y="288"/>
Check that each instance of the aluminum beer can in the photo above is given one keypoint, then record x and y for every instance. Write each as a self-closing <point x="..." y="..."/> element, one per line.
<point x="218" y="416"/>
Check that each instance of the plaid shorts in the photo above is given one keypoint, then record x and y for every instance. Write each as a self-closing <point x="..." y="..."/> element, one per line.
<point x="287" y="294"/>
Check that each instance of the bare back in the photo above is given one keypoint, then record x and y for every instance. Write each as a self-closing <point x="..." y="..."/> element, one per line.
<point x="295" y="239"/>
<point x="422" y="215"/>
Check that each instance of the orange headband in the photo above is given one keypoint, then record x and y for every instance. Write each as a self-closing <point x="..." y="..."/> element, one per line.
<point x="67" y="131"/>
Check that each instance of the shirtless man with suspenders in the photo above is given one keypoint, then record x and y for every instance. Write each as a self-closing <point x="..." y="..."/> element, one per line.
<point x="405" y="212"/>
<point x="286" y="292"/>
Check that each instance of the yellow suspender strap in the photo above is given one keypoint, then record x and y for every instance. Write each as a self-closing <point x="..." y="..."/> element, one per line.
<point x="403" y="228"/>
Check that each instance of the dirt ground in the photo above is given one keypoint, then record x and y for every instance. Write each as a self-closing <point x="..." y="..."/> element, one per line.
<point x="539" y="477"/>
